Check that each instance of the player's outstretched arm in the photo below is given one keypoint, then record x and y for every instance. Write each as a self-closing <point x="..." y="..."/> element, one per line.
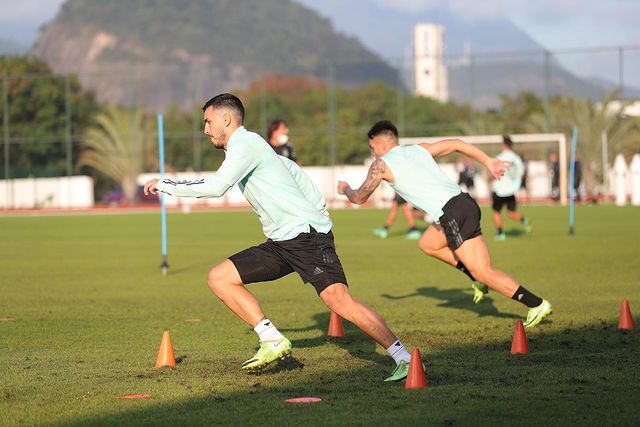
<point x="496" y="167"/>
<point x="377" y="172"/>
<point x="239" y="161"/>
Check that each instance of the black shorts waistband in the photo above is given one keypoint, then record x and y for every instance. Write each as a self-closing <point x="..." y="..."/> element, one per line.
<point x="451" y="202"/>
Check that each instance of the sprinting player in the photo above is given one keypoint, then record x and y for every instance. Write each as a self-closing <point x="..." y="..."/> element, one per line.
<point x="407" y="210"/>
<point x="455" y="237"/>
<point x="295" y="220"/>
<point x="506" y="188"/>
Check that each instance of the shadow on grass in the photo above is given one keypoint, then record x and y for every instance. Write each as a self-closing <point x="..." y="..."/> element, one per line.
<point x="514" y="232"/>
<point x="182" y="269"/>
<point x="356" y="342"/>
<point x="574" y="376"/>
<point x="457" y="298"/>
<point x="403" y="233"/>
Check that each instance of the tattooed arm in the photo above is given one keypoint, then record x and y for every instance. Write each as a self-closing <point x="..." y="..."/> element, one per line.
<point x="377" y="172"/>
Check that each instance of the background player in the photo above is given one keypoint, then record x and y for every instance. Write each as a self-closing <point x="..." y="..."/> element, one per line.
<point x="506" y="188"/>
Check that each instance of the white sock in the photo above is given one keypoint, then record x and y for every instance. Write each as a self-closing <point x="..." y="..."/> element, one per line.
<point x="267" y="331"/>
<point x="399" y="353"/>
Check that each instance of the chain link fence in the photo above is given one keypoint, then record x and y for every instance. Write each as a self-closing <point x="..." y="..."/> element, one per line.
<point x="328" y="106"/>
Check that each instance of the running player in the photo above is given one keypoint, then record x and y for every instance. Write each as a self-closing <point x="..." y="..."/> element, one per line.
<point x="296" y="223"/>
<point x="505" y="189"/>
<point x="455" y="237"/>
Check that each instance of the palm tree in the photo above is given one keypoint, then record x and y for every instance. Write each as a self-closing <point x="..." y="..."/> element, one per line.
<point x="592" y="120"/>
<point x="119" y="146"/>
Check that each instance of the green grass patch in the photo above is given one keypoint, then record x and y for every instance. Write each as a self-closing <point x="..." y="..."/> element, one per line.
<point x="89" y="307"/>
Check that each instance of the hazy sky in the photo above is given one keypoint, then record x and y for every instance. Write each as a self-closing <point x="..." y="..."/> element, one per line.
<point x="555" y="24"/>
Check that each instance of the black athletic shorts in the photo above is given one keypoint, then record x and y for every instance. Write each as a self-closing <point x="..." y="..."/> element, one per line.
<point x="499" y="202"/>
<point x="312" y="255"/>
<point x="399" y="200"/>
<point x="460" y="220"/>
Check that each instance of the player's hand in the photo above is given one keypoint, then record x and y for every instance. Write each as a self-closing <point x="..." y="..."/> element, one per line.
<point x="342" y="186"/>
<point x="497" y="167"/>
<point x="150" y="187"/>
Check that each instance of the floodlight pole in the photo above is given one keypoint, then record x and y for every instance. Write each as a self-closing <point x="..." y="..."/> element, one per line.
<point x="164" y="266"/>
<point x="572" y="170"/>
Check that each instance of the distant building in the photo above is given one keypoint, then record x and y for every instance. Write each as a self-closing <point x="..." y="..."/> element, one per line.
<point x="430" y="73"/>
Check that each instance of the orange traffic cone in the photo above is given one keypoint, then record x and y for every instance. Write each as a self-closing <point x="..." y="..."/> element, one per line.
<point x="416" y="377"/>
<point x="626" y="321"/>
<point x="165" y="354"/>
<point x="335" y="326"/>
<point x="519" y="344"/>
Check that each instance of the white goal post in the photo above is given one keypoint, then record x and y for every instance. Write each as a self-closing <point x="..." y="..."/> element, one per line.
<point x="546" y="138"/>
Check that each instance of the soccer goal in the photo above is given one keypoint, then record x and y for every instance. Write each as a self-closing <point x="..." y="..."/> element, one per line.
<point x="535" y="149"/>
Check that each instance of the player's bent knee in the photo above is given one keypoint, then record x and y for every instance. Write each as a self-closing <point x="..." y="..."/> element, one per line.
<point x="216" y="280"/>
<point x="336" y="297"/>
<point x="424" y="247"/>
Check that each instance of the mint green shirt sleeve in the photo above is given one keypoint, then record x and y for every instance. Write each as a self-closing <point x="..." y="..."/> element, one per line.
<point x="238" y="163"/>
<point x="310" y="192"/>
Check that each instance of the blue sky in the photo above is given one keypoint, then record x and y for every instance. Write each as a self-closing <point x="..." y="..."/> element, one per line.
<point x="555" y="24"/>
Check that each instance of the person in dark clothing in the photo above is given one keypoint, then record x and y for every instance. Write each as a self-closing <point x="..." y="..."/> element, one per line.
<point x="555" y="177"/>
<point x="278" y="137"/>
<point x="466" y="176"/>
<point x="577" y="178"/>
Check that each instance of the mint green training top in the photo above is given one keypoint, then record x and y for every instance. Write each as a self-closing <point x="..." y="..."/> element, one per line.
<point x="282" y="195"/>
<point x="419" y="179"/>
<point x="511" y="181"/>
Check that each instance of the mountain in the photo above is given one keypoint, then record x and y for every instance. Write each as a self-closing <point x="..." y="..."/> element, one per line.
<point x="509" y="78"/>
<point x="508" y="60"/>
<point x="180" y="52"/>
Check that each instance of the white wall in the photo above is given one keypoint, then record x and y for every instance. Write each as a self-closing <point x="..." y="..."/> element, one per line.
<point x="624" y="180"/>
<point x="61" y="192"/>
<point x="77" y="191"/>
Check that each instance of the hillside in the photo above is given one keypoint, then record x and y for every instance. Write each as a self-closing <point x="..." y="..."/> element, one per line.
<point x="510" y="78"/>
<point x="180" y="52"/>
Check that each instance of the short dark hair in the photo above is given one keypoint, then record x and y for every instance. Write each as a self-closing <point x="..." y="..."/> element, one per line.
<point x="506" y="140"/>
<point x="383" y="127"/>
<point x="226" y="100"/>
<point x="273" y="126"/>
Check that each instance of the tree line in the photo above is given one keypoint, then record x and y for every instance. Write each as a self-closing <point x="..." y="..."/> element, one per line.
<point x="328" y="124"/>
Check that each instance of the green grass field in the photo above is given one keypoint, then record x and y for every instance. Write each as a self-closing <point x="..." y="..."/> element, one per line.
<point x="88" y="308"/>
